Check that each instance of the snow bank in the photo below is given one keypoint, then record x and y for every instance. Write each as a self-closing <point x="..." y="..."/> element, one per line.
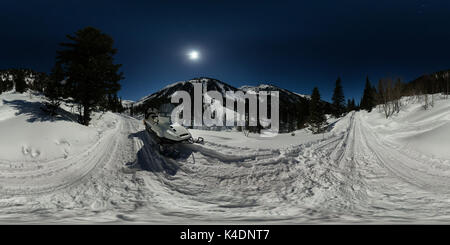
<point x="434" y="142"/>
<point x="255" y="141"/>
<point x="415" y="129"/>
<point x="27" y="134"/>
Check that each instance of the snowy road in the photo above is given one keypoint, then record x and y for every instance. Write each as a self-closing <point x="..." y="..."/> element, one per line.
<point x="352" y="174"/>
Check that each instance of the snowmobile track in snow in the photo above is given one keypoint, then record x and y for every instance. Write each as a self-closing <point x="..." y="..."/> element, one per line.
<point x="32" y="178"/>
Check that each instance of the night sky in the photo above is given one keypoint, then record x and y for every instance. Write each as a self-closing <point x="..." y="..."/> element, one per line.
<point x="292" y="44"/>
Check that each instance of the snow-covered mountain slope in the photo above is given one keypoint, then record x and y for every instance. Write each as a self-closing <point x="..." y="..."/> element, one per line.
<point x="307" y="96"/>
<point x="364" y="169"/>
<point x="208" y="84"/>
<point x="127" y="103"/>
<point x="286" y="96"/>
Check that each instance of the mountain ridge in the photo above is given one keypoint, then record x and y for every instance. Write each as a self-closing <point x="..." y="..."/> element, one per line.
<point x="293" y="107"/>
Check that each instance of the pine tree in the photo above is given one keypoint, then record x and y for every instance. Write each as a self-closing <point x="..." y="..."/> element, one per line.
<point x="90" y="70"/>
<point x="54" y="89"/>
<point x="2" y="84"/>
<point x="131" y="110"/>
<point x="40" y="81"/>
<point x="19" y="79"/>
<point x="368" y="99"/>
<point x="115" y="103"/>
<point x="338" y="99"/>
<point x="317" y="118"/>
<point x="119" y="105"/>
<point x="351" y="105"/>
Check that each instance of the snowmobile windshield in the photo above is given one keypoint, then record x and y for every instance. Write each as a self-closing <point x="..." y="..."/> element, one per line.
<point x="159" y="118"/>
<point x="164" y="120"/>
<point x="165" y="110"/>
<point x="165" y="114"/>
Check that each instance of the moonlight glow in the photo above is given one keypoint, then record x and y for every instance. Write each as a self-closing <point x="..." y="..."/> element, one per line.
<point x="193" y="55"/>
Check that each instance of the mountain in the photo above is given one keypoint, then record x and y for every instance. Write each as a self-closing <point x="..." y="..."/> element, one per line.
<point x="294" y="108"/>
<point x="208" y="84"/>
<point x="437" y="82"/>
<point x="285" y="95"/>
<point x="307" y="96"/>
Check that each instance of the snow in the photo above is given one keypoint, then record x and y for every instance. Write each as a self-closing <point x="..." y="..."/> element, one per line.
<point x="417" y="129"/>
<point x="127" y="103"/>
<point x="29" y="135"/>
<point x="431" y="142"/>
<point x="234" y="138"/>
<point x="364" y="169"/>
<point x="306" y="96"/>
<point x="173" y="84"/>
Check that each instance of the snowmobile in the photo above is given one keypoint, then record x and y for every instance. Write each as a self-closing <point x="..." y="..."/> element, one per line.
<point x="161" y="125"/>
<point x="157" y="123"/>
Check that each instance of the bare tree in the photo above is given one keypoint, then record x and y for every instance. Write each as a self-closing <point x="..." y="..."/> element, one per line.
<point x="389" y="96"/>
<point x="380" y="96"/>
<point x="385" y="91"/>
<point x="426" y="100"/>
<point x="397" y="95"/>
<point x="446" y="77"/>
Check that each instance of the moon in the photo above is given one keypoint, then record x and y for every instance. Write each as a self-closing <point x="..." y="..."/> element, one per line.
<point x="194" y="55"/>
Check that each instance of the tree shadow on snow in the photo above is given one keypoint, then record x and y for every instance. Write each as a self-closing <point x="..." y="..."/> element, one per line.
<point x="36" y="113"/>
<point x="330" y="126"/>
<point x="150" y="158"/>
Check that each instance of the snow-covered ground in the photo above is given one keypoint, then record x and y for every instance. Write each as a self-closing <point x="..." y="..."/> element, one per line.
<point x="365" y="169"/>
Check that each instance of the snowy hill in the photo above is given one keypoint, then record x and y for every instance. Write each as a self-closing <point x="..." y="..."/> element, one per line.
<point x="39" y="153"/>
<point x="29" y="135"/>
<point x="39" y="141"/>
<point x="415" y="129"/>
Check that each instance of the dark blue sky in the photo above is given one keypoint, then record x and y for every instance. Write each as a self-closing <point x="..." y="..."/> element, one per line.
<point x="292" y="44"/>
